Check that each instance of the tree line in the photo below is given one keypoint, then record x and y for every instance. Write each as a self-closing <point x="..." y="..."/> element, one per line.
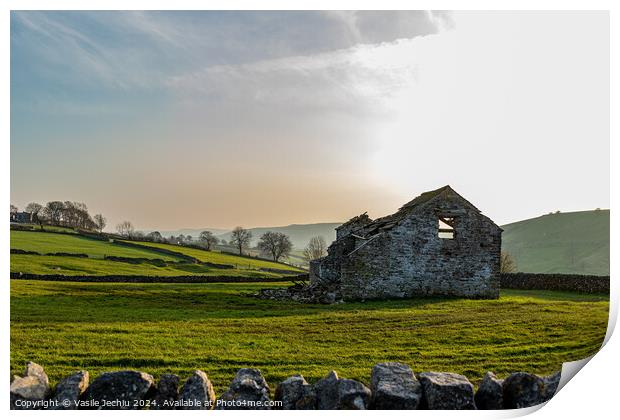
<point x="70" y="214"/>
<point x="275" y="245"/>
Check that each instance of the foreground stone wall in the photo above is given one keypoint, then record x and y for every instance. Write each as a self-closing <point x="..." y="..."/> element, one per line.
<point x="393" y="386"/>
<point x="562" y="282"/>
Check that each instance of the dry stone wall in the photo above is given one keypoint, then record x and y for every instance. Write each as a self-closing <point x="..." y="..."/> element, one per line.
<point x="114" y="278"/>
<point x="562" y="282"/>
<point x="393" y="386"/>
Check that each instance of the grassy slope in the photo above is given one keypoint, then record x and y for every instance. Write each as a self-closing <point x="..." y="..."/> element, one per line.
<point x="180" y="327"/>
<point x="96" y="265"/>
<point x="576" y="243"/>
<point x="220" y="258"/>
<point x="51" y="242"/>
<point x="92" y="267"/>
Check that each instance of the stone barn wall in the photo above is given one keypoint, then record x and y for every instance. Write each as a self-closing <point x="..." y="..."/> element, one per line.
<point x="411" y="260"/>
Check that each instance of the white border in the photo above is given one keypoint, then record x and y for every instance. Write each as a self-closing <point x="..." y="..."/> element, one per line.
<point x="591" y="395"/>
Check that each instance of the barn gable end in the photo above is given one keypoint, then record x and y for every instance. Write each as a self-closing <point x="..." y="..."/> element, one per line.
<point x="438" y="244"/>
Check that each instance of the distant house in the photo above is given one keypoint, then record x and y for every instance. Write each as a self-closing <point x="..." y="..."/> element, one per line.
<point x="437" y="244"/>
<point x="22" y="217"/>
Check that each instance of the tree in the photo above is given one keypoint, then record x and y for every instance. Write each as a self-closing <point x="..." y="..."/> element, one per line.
<point x="316" y="249"/>
<point x="14" y="209"/>
<point x="188" y="238"/>
<point x="125" y="229"/>
<point x="54" y="212"/>
<point x="240" y="238"/>
<point x="276" y="244"/>
<point x="208" y="239"/>
<point x="507" y="263"/>
<point x="35" y="209"/>
<point x="155" y="236"/>
<point x="100" y="222"/>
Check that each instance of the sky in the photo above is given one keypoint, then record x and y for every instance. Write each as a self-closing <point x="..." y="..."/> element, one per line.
<point x="216" y="119"/>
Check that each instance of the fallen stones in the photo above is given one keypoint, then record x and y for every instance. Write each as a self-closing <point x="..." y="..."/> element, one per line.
<point x="121" y="390"/>
<point x="333" y="393"/>
<point x="490" y="393"/>
<point x="197" y="393"/>
<point x="167" y="392"/>
<point x="394" y="387"/>
<point x="29" y="391"/>
<point x="248" y="390"/>
<point x="447" y="391"/>
<point x="522" y="390"/>
<point x="295" y="394"/>
<point x="69" y="390"/>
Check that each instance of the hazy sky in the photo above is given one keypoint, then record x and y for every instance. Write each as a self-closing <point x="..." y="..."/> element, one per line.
<point x="196" y="119"/>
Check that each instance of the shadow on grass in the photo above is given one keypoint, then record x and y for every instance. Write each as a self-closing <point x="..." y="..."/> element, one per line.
<point x="141" y="302"/>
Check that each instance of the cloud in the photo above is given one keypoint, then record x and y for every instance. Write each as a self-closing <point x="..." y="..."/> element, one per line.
<point x="371" y="27"/>
<point x="358" y="79"/>
<point x="125" y="50"/>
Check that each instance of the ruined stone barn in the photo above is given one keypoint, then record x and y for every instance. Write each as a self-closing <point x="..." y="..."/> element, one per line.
<point x="436" y="244"/>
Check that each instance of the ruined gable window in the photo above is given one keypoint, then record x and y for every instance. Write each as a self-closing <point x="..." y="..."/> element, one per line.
<point x="446" y="227"/>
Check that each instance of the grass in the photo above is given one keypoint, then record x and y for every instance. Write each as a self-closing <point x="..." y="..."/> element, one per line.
<point x="221" y="258"/>
<point x="73" y="266"/>
<point x="47" y="228"/>
<point x="576" y="243"/>
<point x="43" y="243"/>
<point x="160" y="328"/>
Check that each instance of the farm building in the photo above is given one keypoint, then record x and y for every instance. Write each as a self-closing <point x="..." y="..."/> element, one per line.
<point x="437" y="244"/>
<point x="22" y="217"/>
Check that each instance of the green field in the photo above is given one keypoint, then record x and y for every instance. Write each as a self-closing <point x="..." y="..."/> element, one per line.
<point x="72" y="266"/>
<point x="176" y="328"/>
<point x="220" y="258"/>
<point x="572" y="243"/>
<point x="44" y="242"/>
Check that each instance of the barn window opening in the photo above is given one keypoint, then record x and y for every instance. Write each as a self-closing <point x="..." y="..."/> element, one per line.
<point x="446" y="227"/>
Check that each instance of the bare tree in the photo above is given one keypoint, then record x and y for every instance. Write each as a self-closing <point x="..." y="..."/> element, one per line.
<point x="14" y="209"/>
<point x="100" y="222"/>
<point x="125" y="229"/>
<point x="507" y="263"/>
<point x="208" y="239"/>
<point x="35" y="209"/>
<point x="240" y="238"/>
<point x="316" y="249"/>
<point x="54" y="212"/>
<point x="276" y="244"/>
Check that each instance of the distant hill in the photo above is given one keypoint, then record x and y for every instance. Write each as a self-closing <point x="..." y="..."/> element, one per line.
<point x="189" y="231"/>
<point x="573" y="243"/>
<point x="299" y="234"/>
